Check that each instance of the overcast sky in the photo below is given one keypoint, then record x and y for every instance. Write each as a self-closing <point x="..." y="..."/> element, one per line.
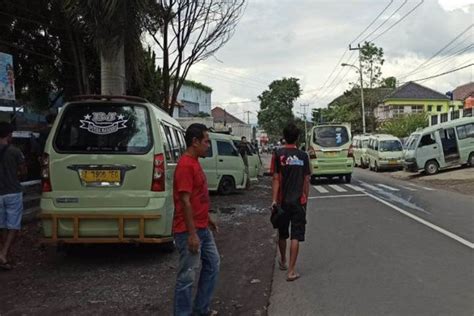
<point x="306" y="39"/>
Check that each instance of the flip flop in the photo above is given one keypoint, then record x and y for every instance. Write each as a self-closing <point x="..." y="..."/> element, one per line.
<point x="293" y="277"/>
<point x="282" y="266"/>
<point x="5" y="266"/>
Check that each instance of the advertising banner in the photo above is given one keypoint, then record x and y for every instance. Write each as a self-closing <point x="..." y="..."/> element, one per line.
<point x="7" y="77"/>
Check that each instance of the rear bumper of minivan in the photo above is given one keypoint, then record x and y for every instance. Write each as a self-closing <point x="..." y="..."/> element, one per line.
<point x="150" y="224"/>
<point x="321" y="167"/>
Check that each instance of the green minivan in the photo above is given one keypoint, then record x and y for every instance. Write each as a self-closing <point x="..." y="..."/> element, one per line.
<point x="107" y="172"/>
<point x="330" y="152"/>
<point x="223" y="166"/>
<point x="384" y="152"/>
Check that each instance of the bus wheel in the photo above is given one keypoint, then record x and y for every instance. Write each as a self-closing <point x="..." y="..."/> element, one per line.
<point x="431" y="167"/>
<point x="226" y="186"/>
<point x="348" y="178"/>
<point x="470" y="161"/>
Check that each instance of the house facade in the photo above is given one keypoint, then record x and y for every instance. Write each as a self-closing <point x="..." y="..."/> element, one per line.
<point x="413" y="98"/>
<point x="193" y="98"/>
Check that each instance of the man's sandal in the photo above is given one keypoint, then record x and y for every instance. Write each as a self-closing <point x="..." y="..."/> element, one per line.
<point x="282" y="266"/>
<point x="293" y="277"/>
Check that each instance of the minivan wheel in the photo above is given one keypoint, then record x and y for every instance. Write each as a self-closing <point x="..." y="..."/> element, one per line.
<point x="226" y="186"/>
<point x="313" y="180"/>
<point x="168" y="247"/>
<point x="470" y="161"/>
<point x="362" y="164"/>
<point x="376" y="167"/>
<point x="431" y="167"/>
<point x="348" y="178"/>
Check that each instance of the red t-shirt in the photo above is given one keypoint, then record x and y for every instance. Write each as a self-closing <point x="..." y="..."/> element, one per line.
<point x="189" y="177"/>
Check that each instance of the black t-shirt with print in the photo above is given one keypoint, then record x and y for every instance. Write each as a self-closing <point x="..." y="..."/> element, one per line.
<point x="293" y="166"/>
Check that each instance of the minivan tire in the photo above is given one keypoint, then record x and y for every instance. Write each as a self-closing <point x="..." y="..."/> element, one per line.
<point x="362" y="164"/>
<point x="168" y="247"/>
<point x="376" y="167"/>
<point x="226" y="185"/>
<point x="431" y="167"/>
<point x="470" y="161"/>
<point x="348" y="178"/>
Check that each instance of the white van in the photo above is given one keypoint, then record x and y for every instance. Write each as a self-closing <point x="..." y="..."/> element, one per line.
<point x="223" y="166"/>
<point x="359" y="145"/>
<point x="441" y="146"/>
<point x="384" y="152"/>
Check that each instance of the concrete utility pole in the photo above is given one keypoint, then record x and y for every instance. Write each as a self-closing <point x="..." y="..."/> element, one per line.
<point x="248" y="116"/>
<point x="304" y="106"/>
<point x="361" y="83"/>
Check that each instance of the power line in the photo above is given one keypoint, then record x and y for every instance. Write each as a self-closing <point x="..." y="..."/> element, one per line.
<point x="241" y="102"/>
<point x="442" y="74"/>
<point x="401" y="19"/>
<point x="386" y="20"/>
<point x="438" y="52"/>
<point x="372" y="23"/>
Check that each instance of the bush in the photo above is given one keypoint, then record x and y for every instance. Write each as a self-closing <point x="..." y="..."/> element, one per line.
<point x="403" y="126"/>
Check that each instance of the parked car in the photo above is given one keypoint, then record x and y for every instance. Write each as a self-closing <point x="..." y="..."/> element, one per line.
<point x="441" y="146"/>
<point x="28" y="143"/>
<point x="107" y="172"/>
<point x="330" y="151"/>
<point x="384" y="152"/>
<point x="359" y="145"/>
<point x="223" y="166"/>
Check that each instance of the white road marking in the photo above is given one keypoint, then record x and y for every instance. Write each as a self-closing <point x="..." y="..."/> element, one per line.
<point x="407" y="188"/>
<point x="337" y="188"/>
<point x="387" y="187"/>
<point x="320" y="189"/>
<point x="416" y="186"/>
<point x="336" y="196"/>
<point x="370" y="186"/>
<point x="424" y="222"/>
<point x="355" y="187"/>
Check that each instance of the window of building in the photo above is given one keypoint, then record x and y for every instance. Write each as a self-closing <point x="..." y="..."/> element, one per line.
<point x="417" y="109"/>
<point x="430" y="108"/>
<point x="398" y="110"/>
<point x="439" y="108"/>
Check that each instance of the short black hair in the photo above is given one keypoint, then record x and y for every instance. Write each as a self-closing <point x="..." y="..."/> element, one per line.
<point x="195" y="130"/>
<point x="5" y="129"/>
<point x="243" y="137"/>
<point x="291" y="133"/>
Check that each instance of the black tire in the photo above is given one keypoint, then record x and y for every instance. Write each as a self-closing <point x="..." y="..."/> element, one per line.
<point x="431" y="167"/>
<point x="313" y="180"/>
<point x="348" y="178"/>
<point x="226" y="186"/>
<point x="168" y="247"/>
<point x="376" y="167"/>
<point x="362" y="164"/>
<point x="470" y="161"/>
<point x="341" y="178"/>
<point x="370" y="166"/>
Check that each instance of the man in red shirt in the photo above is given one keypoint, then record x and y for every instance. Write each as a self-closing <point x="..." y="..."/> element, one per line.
<point x="191" y="224"/>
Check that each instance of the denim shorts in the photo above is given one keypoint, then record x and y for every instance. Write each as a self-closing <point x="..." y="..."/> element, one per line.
<point x="11" y="211"/>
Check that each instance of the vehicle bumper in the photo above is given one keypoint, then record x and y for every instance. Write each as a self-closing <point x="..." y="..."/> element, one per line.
<point x="410" y="166"/>
<point x="332" y="168"/>
<point x="390" y="165"/>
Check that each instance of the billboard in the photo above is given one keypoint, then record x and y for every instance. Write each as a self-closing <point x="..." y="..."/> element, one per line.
<point x="7" y="77"/>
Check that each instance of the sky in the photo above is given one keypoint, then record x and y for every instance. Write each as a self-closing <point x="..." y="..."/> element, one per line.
<point x="307" y="38"/>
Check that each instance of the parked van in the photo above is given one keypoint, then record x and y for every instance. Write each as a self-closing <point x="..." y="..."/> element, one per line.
<point x="107" y="172"/>
<point x="441" y="146"/>
<point x="330" y="151"/>
<point x="384" y="152"/>
<point x="223" y="166"/>
<point x="253" y="157"/>
<point x="359" y="145"/>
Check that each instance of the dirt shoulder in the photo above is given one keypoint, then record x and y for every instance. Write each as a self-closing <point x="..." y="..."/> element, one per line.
<point x="129" y="279"/>
<point x="460" y="180"/>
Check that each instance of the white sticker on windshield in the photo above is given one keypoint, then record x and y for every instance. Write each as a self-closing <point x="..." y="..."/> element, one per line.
<point x="101" y="123"/>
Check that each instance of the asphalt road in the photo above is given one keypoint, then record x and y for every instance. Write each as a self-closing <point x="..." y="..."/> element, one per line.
<point x="382" y="247"/>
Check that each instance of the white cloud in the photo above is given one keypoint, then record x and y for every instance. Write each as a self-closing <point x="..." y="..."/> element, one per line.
<point x="306" y="38"/>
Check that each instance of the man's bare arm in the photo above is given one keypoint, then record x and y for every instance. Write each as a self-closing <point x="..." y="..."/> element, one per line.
<point x="193" y="239"/>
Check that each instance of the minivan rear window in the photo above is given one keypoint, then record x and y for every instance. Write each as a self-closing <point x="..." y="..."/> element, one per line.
<point x="104" y="128"/>
<point x="331" y="136"/>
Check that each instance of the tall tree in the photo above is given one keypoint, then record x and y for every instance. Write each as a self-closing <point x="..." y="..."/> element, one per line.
<point x="276" y="105"/>
<point x="114" y="27"/>
<point x="189" y="31"/>
<point x="389" y="82"/>
<point x="372" y="61"/>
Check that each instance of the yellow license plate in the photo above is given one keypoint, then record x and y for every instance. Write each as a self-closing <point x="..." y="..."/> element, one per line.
<point x="100" y="176"/>
<point x="392" y="162"/>
<point x="331" y="154"/>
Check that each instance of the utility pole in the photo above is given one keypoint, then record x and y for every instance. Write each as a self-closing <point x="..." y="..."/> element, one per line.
<point x="361" y="86"/>
<point x="304" y="106"/>
<point x="248" y="116"/>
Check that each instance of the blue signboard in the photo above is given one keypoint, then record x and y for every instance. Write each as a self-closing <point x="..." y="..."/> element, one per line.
<point x="7" y="77"/>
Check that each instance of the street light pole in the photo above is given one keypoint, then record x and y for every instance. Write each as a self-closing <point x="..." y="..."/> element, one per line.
<point x="305" y="126"/>
<point x="361" y="83"/>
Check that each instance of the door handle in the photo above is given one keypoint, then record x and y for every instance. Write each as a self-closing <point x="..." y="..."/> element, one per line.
<point x="221" y="160"/>
<point x="435" y="147"/>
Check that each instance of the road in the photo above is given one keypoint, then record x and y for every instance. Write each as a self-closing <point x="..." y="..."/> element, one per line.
<point x="382" y="246"/>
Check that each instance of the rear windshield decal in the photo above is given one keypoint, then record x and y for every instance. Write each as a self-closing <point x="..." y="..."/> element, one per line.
<point x="100" y="123"/>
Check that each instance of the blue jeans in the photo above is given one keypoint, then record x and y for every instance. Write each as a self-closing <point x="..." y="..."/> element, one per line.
<point x="11" y="211"/>
<point x="188" y="266"/>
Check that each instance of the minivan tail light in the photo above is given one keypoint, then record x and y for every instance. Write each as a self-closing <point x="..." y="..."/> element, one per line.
<point x="350" y="153"/>
<point x="45" y="179"/>
<point x="312" y="153"/>
<point x="158" y="180"/>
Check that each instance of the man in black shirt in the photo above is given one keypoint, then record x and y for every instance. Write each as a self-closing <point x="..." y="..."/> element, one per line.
<point x="290" y="187"/>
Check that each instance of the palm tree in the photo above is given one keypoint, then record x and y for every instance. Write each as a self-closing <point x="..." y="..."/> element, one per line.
<point x="114" y="26"/>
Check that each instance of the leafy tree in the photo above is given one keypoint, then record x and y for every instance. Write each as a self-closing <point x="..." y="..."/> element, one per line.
<point x="389" y="82"/>
<point x="372" y="61"/>
<point x="403" y="126"/>
<point x="148" y="82"/>
<point x="188" y="31"/>
<point x="276" y="105"/>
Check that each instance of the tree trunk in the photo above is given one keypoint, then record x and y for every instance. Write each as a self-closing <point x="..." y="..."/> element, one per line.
<point x="112" y="72"/>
